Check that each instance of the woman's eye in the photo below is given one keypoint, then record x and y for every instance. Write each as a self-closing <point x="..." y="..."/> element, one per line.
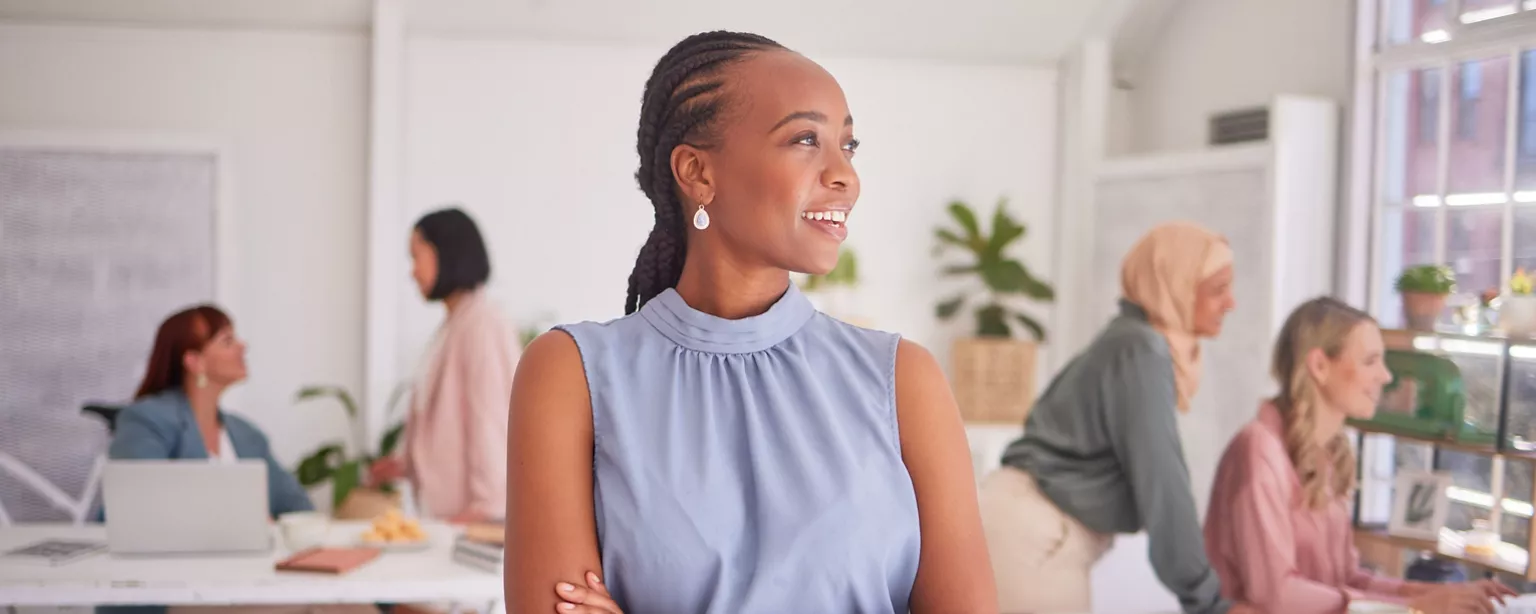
<point x="851" y="146"/>
<point x="807" y="139"/>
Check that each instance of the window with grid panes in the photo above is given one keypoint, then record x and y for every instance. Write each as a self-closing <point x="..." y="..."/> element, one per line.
<point x="1453" y="181"/>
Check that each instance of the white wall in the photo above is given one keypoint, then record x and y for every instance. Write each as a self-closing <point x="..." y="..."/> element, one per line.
<point x="537" y="141"/>
<point x="1219" y="55"/>
<point x="290" y="109"/>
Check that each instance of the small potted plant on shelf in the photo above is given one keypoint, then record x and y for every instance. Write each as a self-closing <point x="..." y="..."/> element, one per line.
<point x="1517" y="308"/>
<point x="1424" y="289"/>
<point x="993" y="373"/>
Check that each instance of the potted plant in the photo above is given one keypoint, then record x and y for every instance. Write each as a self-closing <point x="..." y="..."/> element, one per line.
<point x="533" y="328"/>
<point x="1424" y="289"/>
<point x="992" y="371"/>
<point x="349" y="498"/>
<point x="1517" y="308"/>
<point x="832" y="292"/>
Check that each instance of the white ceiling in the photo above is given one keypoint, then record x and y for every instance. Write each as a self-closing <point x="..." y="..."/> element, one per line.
<point x="976" y="30"/>
<point x="258" y="14"/>
<point x="1011" y="31"/>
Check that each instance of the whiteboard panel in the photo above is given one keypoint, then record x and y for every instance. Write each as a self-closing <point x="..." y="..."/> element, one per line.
<point x="96" y="248"/>
<point x="1233" y="202"/>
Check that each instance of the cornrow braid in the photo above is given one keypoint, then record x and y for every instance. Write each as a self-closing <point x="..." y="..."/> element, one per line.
<point x="682" y="100"/>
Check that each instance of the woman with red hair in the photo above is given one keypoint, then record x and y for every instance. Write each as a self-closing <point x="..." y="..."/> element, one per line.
<point x="176" y="413"/>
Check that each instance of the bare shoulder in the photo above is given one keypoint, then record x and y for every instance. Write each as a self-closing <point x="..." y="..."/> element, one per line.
<point x="551" y="531"/>
<point x="916" y="359"/>
<point x="954" y="573"/>
<point x="552" y="354"/>
<point x="549" y="394"/>
<point x="551" y="364"/>
<point x="920" y="383"/>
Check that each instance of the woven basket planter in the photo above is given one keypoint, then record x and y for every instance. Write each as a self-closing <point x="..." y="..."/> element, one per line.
<point x="993" y="378"/>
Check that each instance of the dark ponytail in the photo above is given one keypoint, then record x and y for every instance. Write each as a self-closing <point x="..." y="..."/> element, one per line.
<point x="680" y="104"/>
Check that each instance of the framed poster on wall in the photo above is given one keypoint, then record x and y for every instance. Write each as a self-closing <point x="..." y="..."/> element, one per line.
<point x="99" y="242"/>
<point x="1419" y="504"/>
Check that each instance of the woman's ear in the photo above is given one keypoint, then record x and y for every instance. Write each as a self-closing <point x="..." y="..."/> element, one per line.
<point x="694" y="174"/>
<point x="191" y="362"/>
<point x="1318" y="365"/>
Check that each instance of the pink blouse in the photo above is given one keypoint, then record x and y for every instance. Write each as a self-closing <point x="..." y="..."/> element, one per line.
<point x="455" y="442"/>
<point x="1269" y="548"/>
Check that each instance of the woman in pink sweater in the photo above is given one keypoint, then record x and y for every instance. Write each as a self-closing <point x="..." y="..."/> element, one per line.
<point x="1278" y="530"/>
<point x="454" y="451"/>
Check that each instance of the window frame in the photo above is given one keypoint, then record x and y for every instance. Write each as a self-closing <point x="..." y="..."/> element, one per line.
<point x="1375" y="61"/>
<point x="1429" y="98"/>
<point x="1527" y="111"/>
<point x="1469" y="92"/>
<point x="1511" y="35"/>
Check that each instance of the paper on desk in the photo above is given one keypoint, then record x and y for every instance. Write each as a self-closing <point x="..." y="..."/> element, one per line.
<point x="1525" y="604"/>
<point x="55" y="551"/>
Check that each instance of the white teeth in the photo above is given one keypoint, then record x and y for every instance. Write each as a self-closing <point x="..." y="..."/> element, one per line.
<point x="826" y="216"/>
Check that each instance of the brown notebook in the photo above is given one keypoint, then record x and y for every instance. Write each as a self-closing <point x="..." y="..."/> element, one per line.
<point x="328" y="560"/>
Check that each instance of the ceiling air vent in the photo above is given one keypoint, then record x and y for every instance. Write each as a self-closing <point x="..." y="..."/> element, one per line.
<point x="1240" y="126"/>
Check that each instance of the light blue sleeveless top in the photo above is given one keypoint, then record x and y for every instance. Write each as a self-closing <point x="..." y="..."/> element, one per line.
<point x="748" y="466"/>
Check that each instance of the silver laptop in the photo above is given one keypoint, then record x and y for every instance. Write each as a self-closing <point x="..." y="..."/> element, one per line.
<point x="186" y="507"/>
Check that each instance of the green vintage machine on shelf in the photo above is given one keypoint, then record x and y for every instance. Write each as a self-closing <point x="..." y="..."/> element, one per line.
<point x="1427" y="398"/>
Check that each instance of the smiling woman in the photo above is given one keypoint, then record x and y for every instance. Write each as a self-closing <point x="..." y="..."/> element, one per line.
<point x="1278" y="529"/>
<point x="725" y="447"/>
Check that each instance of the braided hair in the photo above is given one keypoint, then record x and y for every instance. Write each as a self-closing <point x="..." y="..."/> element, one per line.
<point x="681" y="102"/>
<point x="1326" y="470"/>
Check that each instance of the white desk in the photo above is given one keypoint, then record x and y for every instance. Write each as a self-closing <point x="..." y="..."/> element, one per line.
<point x="395" y="577"/>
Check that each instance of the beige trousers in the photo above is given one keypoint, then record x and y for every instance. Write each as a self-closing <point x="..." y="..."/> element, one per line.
<point x="1041" y="557"/>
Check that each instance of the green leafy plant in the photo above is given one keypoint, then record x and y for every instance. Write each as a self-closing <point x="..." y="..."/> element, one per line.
<point x="331" y="461"/>
<point x="846" y="273"/>
<point x="1001" y="275"/>
<point x="527" y="334"/>
<point x="1520" y="283"/>
<point x="532" y="328"/>
<point x="1427" y="279"/>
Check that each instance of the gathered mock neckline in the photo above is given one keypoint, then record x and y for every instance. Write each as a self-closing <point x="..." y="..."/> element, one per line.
<point x="702" y="332"/>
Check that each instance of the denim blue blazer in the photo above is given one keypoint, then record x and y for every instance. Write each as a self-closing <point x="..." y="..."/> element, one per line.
<point x="162" y="427"/>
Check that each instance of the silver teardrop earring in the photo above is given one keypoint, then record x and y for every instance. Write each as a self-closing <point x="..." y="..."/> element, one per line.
<point x="701" y="218"/>
<point x="202" y="380"/>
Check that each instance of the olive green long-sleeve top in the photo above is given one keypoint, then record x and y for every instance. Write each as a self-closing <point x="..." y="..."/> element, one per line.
<point x="1103" y="444"/>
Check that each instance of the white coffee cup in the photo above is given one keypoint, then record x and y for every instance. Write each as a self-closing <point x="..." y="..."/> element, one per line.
<point x="303" y="530"/>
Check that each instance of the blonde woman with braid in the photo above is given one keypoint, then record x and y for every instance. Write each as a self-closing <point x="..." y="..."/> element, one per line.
<point x="1278" y="530"/>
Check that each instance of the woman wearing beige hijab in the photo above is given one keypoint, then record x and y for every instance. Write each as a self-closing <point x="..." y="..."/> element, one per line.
<point x="1101" y="453"/>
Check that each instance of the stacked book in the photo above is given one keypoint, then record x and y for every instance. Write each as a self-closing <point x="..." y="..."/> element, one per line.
<point x="481" y="546"/>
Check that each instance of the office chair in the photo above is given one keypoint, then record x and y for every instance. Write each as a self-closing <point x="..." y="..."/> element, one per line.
<point x="107" y="413"/>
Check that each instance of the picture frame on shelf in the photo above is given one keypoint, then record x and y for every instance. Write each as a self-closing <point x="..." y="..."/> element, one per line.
<point x="1419" y="504"/>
